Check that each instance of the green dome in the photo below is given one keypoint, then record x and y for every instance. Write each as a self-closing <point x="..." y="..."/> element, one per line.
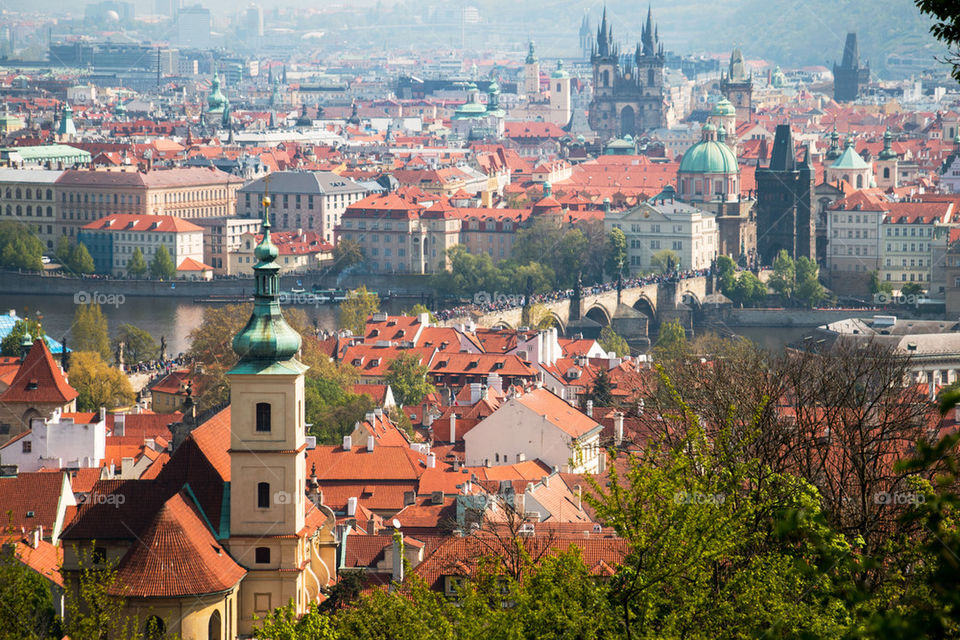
<point x="708" y="156"/>
<point x="560" y="72"/>
<point x="724" y="109"/>
<point x="266" y="338"/>
<point x="850" y="159"/>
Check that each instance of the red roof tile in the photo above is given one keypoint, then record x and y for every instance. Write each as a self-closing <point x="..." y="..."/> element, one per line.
<point x="39" y="379"/>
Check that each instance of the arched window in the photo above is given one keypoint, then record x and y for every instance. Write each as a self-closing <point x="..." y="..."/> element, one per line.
<point x="7" y="193"/>
<point x="263" y="416"/>
<point x="886" y="172"/>
<point x="49" y="212"/>
<point x="214" y="627"/>
<point x="49" y="194"/>
<point x="29" y="210"/>
<point x="19" y="193"/>
<point x="263" y="495"/>
<point x="262" y="555"/>
<point x="860" y="182"/>
<point x="39" y="195"/>
<point x="650" y="77"/>
<point x="154" y="629"/>
<point x="606" y="78"/>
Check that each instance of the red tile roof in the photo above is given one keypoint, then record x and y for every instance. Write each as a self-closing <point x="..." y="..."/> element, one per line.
<point x="176" y="555"/>
<point x="29" y="500"/>
<point x="556" y="411"/>
<point x="39" y="380"/>
<point x="137" y="222"/>
<point x="45" y="558"/>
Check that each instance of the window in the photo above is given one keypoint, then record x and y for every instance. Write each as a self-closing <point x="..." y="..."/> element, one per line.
<point x="27" y="446"/>
<point x="262" y="555"/>
<point x="263" y="495"/>
<point x="263" y="416"/>
<point x="99" y="555"/>
<point x="155" y="629"/>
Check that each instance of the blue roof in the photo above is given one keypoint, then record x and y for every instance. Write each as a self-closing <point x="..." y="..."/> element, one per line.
<point x="7" y="321"/>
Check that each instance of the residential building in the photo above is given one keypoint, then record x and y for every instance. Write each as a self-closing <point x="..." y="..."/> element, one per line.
<point x="661" y="225"/>
<point x="62" y="441"/>
<point x="853" y="241"/>
<point x="113" y="240"/>
<point x="298" y="251"/>
<point x="190" y="193"/>
<point x="221" y="237"/>
<point x="29" y="196"/>
<point x="909" y="230"/>
<point x="61" y="155"/>
<point x="309" y="200"/>
<point x="38" y="389"/>
<point x="537" y="425"/>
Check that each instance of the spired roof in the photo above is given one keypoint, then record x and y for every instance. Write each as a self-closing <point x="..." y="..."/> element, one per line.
<point x="39" y="379"/>
<point x="783" y="157"/>
<point x="176" y="555"/>
<point x="266" y="339"/>
<point x="723" y="108"/>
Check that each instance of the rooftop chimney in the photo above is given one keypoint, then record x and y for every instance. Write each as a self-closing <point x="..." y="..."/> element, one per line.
<point x="618" y="428"/>
<point x="453" y="427"/>
<point x="119" y="426"/>
<point x="351" y="506"/>
<point x="589" y="410"/>
<point x="347" y="443"/>
<point x="371" y="442"/>
<point x="431" y="460"/>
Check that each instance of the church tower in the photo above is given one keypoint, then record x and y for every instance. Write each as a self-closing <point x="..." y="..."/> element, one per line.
<point x="737" y="86"/>
<point x="267" y="451"/>
<point x="888" y="163"/>
<point x="785" y="213"/>
<point x="849" y="78"/>
<point x="531" y="74"/>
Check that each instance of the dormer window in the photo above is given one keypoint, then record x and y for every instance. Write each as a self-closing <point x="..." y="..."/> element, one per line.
<point x="32" y="385"/>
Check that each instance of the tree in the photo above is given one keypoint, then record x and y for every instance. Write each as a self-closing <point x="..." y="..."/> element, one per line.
<point x="419" y="308"/>
<point x="610" y="341"/>
<point x="912" y="289"/>
<point x="946" y="29"/>
<point x="726" y="274"/>
<point x="93" y="608"/>
<point x="748" y="291"/>
<point x="89" y="330"/>
<point x="601" y="392"/>
<point x="784" y="276"/>
<point x="12" y="342"/>
<point x="20" y="248"/>
<point x="162" y="264"/>
<point x="354" y="311"/>
<point x="331" y="411"/>
<point x="62" y="251"/>
<point x="283" y="623"/>
<point x="137" y="267"/>
<point x="346" y="254"/>
<point x="665" y="261"/>
<point x="27" y="612"/>
<point x="878" y="286"/>
<point x="138" y="345"/>
<point x="98" y="384"/>
<point x="616" y="252"/>
<point x="80" y="259"/>
<point x="671" y="339"/>
<point x="408" y="379"/>
<point x="808" y="289"/>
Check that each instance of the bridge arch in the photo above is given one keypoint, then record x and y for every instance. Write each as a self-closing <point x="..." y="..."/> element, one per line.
<point x="692" y="300"/>
<point x="646" y="307"/>
<point x="502" y="324"/>
<point x="599" y="314"/>
<point x="552" y="319"/>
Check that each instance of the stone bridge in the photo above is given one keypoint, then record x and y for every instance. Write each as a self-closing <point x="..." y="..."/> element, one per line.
<point x="656" y="302"/>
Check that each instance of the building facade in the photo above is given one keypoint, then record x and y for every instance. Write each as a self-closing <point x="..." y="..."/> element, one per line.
<point x="113" y="240"/>
<point x="29" y="197"/>
<point x="786" y="218"/>
<point x="656" y="226"/>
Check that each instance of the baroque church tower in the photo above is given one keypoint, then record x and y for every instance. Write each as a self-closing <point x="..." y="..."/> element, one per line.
<point x="628" y="95"/>
<point x="267" y="453"/>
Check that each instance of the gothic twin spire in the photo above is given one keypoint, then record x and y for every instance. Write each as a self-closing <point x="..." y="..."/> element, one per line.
<point x="649" y="44"/>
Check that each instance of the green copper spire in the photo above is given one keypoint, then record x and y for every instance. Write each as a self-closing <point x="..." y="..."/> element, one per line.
<point x="267" y="338"/>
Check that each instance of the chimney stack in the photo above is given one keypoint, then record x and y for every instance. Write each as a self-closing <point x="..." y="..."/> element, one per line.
<point x="589" y="410"/>
<point x="351" y="506"/>
<point x="347" y="443"/>
<point x="618" y="428"/>
<point x="371" y="442"/>
<point x="453" y="427"/>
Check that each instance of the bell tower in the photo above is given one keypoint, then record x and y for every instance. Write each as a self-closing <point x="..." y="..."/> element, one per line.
<point x="267" y="450"/>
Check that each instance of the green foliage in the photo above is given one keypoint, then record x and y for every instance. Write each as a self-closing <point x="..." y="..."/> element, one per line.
<point x="616" y="259"/>
<point x="62" y="251"/>
<point x="726" y="274"/>
<point x="137" y="267"/>
<point x="331" y="409"/>
<point x="877" y="285"/>
<point x="784" y="276"/>
<point x="610" y="341"/>
<point x="92" y="608"/>
<point x="561" y="250"/>
<point x="162" y="264"/>
<point x="601" y="392"/>
<point x="12" y="341"/>
<point x="408" y="379"/>
<point x="419" y="308"/>
<point x="80" y="259"/>
<point x="20" y="248"/>
<point x="98" y="384"/>
<point x="671" y="340"/>
<point x="89" y="330"/>
<point x="27" y="612"/>
<point x="283" y="624"/>
<point x="946" y="28"/>
<point x="137" y="344"/>
<point x="748" y="290"/>
<point x="354" y="311"/>
<point x="912" y="289"/>
<point x="665" y="261"/>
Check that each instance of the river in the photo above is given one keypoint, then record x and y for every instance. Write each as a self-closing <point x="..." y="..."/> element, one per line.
<point x="175" y="318"/>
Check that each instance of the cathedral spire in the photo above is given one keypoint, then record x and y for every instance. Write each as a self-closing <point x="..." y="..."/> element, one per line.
<point x="649" y="39"/>
<point x="603" y="44"/>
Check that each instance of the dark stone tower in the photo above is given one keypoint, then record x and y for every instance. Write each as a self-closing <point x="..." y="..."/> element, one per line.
<point x="785" y="215"/>
<point x="627" y="90"/>
<point x="849" y="78"/>
<point x="736" y="85"/>
<point x="586" y="38"/>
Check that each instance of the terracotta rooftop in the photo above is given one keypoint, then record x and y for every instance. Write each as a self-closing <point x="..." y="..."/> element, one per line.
<point x="39" y="379"/>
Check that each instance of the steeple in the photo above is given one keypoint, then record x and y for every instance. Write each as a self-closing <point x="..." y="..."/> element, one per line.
<point x="649" y="37"/>
<point x="66" y="126"/>
<point x="887" y="153"/>
<point x="603" y="43"/>
<point x="267" y="338"/>
<point x="531" y="55"/>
